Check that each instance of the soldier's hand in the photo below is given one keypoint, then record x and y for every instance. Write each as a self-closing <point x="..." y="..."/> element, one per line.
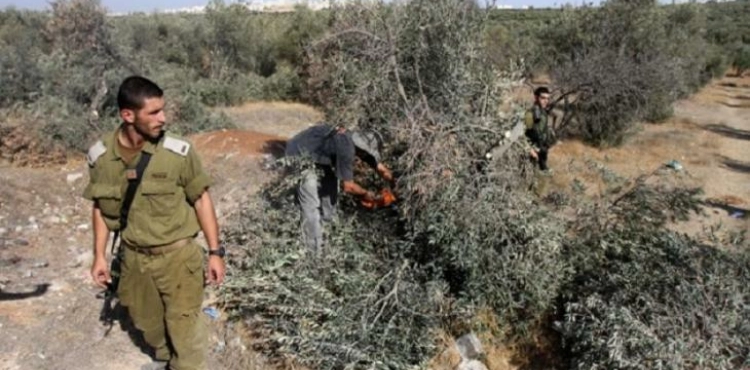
<point x="534" y="154"/>
<point x="215" y="272"/>
<point x="100" y="272"/>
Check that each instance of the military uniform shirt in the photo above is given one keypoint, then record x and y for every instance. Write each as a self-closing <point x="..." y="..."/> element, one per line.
<point x="537" y="128"/>
<point x="162" y="210"/>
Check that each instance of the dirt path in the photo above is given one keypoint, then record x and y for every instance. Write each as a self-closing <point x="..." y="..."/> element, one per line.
<point x="48" y="307"/>
<point x="709" y="136"/>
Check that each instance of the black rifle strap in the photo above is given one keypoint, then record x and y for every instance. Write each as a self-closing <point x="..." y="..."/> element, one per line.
<point x="133" y="182"/>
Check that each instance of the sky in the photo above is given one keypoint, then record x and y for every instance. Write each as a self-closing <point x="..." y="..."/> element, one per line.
<point x="123" y="6"/>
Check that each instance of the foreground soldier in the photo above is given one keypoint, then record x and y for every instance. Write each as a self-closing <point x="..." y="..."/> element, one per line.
<point x="333" y="150"/>
<point x="162" y="275"/>
<point x="538" y="129"/>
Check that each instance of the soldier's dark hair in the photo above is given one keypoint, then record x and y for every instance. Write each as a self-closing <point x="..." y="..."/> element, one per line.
<point x="541" y="90"/>
<point x="134" y="91"/>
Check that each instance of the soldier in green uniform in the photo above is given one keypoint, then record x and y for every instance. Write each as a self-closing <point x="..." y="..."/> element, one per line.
<point x="538" y="129"/>
<point x="162" y="274"/>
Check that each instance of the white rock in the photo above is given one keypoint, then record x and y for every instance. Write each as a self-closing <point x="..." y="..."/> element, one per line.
<point x="19" y="229"/>
<point x="73" y="177"/>
<point x="471" y="365"/>
<point x="82" y="227"/>
<point x="3" y="231"/>
<point x="32" y="219"/>
<point x="53" y="220"/>
<point x="469" y="346"/>
<point x="83" y="259"/>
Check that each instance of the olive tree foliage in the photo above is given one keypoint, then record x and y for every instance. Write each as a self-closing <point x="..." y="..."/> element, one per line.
<point x="62" y="65"/>
<point x="66" y="65"/>
<point x="465" y="234"/>
<point x="643" y="297"/>
<point x="623" y="62"/>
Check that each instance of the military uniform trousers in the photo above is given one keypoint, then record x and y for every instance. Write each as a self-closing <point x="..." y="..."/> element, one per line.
<point x="163" y="294"/>
<point x="316" y="196"/>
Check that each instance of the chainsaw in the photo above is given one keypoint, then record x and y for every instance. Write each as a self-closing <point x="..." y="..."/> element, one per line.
<point x="386" y="199"/>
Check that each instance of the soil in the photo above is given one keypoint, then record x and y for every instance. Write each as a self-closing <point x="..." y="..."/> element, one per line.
<point x="49" y="310"/>
<point x="709" y="136"/>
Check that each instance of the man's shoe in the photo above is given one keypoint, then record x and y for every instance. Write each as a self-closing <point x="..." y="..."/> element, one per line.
<point x="155" y="365"/>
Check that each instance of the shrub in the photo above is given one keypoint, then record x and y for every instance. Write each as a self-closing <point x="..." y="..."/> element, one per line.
<point x="742" y="59"/>
<point x="465" y="234"/>
<point x="643" y="297"/>
<point x="658" y="300"/>
<point x="624" y="62"/>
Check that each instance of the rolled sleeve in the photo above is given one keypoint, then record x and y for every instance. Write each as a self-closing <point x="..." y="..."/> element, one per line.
<point x="196" y="187"/>
<point x="88" y="193"/>
<point x="193" y="179"/>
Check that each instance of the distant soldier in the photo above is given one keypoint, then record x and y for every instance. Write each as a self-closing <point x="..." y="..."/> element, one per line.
<point x="538" y="127"/>
<point x="149" y="187"/>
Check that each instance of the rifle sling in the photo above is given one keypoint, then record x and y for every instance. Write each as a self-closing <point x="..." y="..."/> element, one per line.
<point x="133" y="183"/>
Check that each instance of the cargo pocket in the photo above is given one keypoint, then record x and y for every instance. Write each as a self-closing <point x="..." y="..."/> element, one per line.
<point x="109" y="198"/>
<point x="160" y="196"/>
<point x="189" y="295"/>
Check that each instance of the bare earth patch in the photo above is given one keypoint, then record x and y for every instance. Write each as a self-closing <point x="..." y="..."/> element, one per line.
<point x="274" y="118"/>
<point x="708" y="138"/>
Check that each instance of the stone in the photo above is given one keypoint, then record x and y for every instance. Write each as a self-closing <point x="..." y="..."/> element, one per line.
<point x="469" y="347"/>
<point x="82" y="227"/>
<point x="83" y="259"/>
<point x="73" y="177"/>
<point x="471" y="365"/>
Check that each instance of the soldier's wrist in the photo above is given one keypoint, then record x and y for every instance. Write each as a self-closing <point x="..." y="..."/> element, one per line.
<point x="217" y="252"/>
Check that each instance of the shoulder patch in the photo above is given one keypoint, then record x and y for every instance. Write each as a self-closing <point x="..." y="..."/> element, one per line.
<point x="178" y="146"/>
<point x="95" y="151"/>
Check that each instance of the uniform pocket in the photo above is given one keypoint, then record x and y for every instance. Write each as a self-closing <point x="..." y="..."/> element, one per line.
<point x="160" y="196"/>
<point x="109" y="198"/>
<point x="188" y="279"/>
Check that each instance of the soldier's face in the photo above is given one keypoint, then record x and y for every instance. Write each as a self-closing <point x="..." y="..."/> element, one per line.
<point x="149" y="121"/>
<point x="543" y="100"/>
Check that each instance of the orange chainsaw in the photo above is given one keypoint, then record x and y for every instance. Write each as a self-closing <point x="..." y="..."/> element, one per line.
<point x="385" y="199"/>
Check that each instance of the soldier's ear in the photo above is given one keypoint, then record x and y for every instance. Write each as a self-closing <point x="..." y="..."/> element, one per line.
<point x="127" y="115"/>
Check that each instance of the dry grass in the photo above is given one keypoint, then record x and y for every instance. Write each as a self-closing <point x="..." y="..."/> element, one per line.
<point x="728" y="92"/>
<point x="538" y="354"/>
<point x="730" y="200"/>
<point x="448" y="358"/>
<point x="646" y="151"/>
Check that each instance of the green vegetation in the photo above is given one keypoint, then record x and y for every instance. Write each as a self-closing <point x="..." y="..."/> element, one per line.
<point x="613" y="286"/>
<point x="468" y="237"/>
<point x="63" y="66"/>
